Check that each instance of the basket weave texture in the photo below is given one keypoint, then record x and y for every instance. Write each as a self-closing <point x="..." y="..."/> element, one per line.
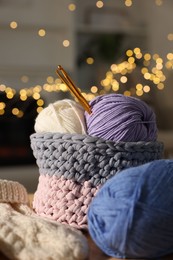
<point x="81" y="159"/>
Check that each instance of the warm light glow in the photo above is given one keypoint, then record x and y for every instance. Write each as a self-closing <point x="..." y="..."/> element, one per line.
<point x="170" y="56"/>
<point x="105" y="82"/>
<point x="137" y="50"/>
<point x="123" y="79"/>
<point x="90" y="96"/>
<point x="155" y="56"/>
<point x="66" y="43"/>
<point x="2" y="105"/>
<point x="10" y="94"/>
<point x="94" y="89"/>
<point x="15" y="111"/>
<point x="147" y="56"/>
<point x="63" y="87"/>
<point x="50" y="79"/>
<point x="129" y="53"/>
<point x="114" y="67"/>
<point x="131" y="60"/>
<point x="159" y="66"/>
<point x="147" y="75"/>
<point x="39" y="109"/>
<point x="99" y="4"/>
<point x="115" y="86"/>
<point x="2" y="87"/>
<point x="169" y="65"/>
<point x="41" y="32"/>
<point x="13" y="25"/>
<point x="72" y="7"/>
<point x="37" y="88"/>
<point x="139" y="92"/>
<point x="23" y="98"/>
<point x="119" y="72"/>
<point x="127" y="93"/>
<point x="156" y="80"/>
<point x="22" y="92"/>
<point x="160" y="86"/>
<point x="146" y="89"/>
<point x="144" y="70"/>
<point x="89" y="60"/>
<point x="159" y="60"/>
<point x="20" y="114"/>
<point x="139" y="55"/>
<point x="128" y="3"/>
<point x="170" y="36"/>
<point x="36" y="95"/>
<point x="40" y="102"/>
<point x="139" y="87"/>
<point x="162" y="78"/>
<point x="2" y="112"/>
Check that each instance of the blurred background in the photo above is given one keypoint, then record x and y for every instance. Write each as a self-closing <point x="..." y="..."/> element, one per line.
<point x="122" y="46"/>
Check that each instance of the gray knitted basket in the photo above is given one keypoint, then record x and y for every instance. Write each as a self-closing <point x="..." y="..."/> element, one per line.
<point x="82" y="158"/>
<point x="73" y="167"/>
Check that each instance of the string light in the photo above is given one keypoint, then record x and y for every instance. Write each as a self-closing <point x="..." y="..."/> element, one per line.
<point x="13" y="25"/>
<point x="66" y="43"/>
<point x="99" y="4"/>
<point x="128" y="3"/>
<point x="72" y="7"/>
<point x="34" y="92"/>
<point x="170" y="36"/>
<point x="169" y="62"/>
<point x="94" y="89"/>
<point x="118" y="73"/>
<point x="89" y="60"/>
<point x="114" y="80"/>
<point x="2" y="112"/>
<point x="41" y="32"/>
<point x="146" y="88"/>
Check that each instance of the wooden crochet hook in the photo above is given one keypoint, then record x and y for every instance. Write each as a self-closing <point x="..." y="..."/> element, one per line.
<point x="67" y="80"/>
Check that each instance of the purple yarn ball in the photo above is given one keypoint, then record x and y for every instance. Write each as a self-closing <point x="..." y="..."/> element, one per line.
<point x="117" y="117"/>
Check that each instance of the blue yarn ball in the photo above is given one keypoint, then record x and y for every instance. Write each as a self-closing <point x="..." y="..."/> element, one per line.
<point x="132" y="214"/>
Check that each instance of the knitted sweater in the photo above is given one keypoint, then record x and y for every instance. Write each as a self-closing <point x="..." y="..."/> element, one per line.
<point x="26" y="236"/>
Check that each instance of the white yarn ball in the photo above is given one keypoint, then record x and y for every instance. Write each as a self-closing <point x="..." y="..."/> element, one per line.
<point x="63" y="116"/>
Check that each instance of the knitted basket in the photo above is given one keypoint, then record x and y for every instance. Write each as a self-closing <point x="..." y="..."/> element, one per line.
<point x="73" y="167"/>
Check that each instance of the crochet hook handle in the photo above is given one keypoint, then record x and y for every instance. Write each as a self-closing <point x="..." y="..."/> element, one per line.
<point x="67" y="80"/>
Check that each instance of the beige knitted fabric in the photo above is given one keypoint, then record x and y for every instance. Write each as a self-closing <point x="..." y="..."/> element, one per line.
<point x="26" y="236"/>
<point x="13" y="192"/>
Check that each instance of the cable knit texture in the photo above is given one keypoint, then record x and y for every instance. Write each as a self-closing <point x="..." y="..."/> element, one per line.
<point x="63" y="200"/>
<point x="28" y="237"/>
<point x="13" y="192"/>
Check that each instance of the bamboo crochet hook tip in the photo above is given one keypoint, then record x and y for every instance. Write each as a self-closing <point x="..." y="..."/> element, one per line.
<point x="67" y="80"/>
